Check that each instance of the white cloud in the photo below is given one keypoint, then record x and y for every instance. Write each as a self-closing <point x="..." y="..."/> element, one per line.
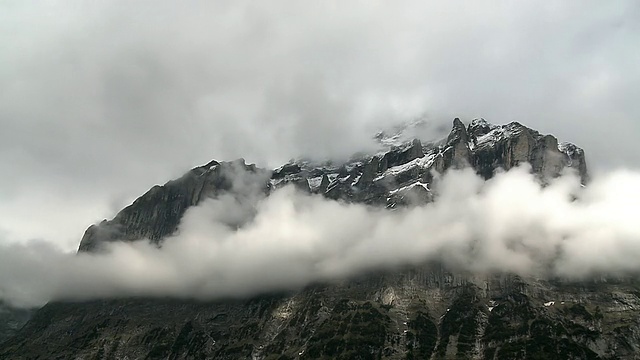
<point x="507" y="224"/>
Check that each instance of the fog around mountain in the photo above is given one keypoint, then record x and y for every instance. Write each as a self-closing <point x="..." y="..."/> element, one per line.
<point x="290" y="239"/>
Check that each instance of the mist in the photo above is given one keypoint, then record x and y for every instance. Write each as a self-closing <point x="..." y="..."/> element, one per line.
<point x="102" y="100"/>
<point x="508" y="224"/>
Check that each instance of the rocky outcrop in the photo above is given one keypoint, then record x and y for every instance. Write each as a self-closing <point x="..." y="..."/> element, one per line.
<point x="393" y="177"/>
<point x="287" y="169"/>
<point x="510" y="145"/>
<point x="458" y="154"/>
<point x="401" y="155"/>
<point x="575" y="159"/>
<point x="369" y="172"/>
<point x="324" y="184"/>
<point x="157" y="213"/>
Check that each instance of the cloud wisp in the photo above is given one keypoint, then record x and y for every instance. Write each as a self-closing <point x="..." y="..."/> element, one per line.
<point x="507" y="224"/>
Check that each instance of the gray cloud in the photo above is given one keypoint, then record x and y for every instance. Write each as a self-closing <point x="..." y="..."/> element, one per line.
<point x="100" y="101"/>
<point x="507" y="224"/>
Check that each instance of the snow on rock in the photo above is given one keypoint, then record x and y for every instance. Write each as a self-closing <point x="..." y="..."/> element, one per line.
<point x="423" y="162"/>
<point x="495" y="135"/>
<point x="315" y="182"/>
<point x="407" y="187"/>
<point x="570" y="149"/>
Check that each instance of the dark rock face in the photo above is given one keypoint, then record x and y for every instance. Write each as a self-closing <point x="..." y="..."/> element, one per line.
<point x="400" y="156"/>
<point x="419" y="312"/>
<point x="157" y="213"/>
<point x="11" y="320"/>
<point x="510" y="145"/>
<point x="458" y="154"/>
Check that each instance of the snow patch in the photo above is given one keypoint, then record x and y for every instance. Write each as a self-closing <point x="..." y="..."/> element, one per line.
<point x="417" y="183"/>
<point x="337" y="181"/>
<point x="315" y="182"/>
<point x="422" y="162"/>
<point x="495" y="135"/>
<point x="275" y="182"/>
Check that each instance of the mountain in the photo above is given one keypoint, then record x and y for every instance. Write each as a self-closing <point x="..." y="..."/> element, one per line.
<point x="398" y="175"/>
<point x="415" y="312"/>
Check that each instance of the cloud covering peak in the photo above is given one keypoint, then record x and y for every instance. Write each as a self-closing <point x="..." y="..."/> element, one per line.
<point x="507" y="224"/>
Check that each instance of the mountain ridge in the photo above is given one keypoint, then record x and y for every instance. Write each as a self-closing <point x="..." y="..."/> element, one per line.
<point x="484" y="146"/>
<point x="413" y="312"/>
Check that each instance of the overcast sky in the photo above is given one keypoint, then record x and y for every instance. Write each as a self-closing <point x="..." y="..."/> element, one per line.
<point x="101" y="100"/>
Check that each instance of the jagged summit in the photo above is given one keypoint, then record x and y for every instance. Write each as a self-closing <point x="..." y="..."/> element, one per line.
<point x="157" y="213"/>
<point x="484" y="146"/>
<point x="400" y="175"/>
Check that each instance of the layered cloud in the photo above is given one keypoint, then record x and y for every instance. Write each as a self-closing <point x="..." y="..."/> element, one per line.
<point x="507" y="224"/>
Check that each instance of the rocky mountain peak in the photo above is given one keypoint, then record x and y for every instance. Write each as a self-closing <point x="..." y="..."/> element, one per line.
<point x="400" y="175"/>
<point x="479" y="127"/>
<point x="458" y="132"/>
<point x="157" y="213"/>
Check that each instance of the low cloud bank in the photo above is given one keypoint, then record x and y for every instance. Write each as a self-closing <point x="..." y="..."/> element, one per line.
<point x="507" y="224"/>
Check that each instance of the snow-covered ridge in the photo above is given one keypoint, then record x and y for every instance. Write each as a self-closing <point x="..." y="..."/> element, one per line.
<point x="408" y="163"/>
<point x="484" y="134"/>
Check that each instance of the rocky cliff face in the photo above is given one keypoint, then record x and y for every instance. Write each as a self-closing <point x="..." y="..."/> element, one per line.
<point x="417" y="313"/>
<point x="11" y="320"/>
<point x="513" y="144"/>
<point x="157" y="213"/>
<point x="410" y="313"/>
